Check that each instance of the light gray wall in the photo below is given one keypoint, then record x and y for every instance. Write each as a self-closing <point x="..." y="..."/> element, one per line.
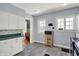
<point x="60" y="37"/>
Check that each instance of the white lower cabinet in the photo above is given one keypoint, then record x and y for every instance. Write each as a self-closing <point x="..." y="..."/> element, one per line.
<point x="11" y="46"/>
<point x="16" y="45"/>
<point x="19" y="44"/>
<point x="5" y="48"/>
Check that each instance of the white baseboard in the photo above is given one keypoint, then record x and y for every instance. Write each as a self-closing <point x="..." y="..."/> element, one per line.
<point x="58" y="45"/>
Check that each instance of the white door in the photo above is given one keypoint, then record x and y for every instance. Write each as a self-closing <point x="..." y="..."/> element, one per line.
<point x="3" y="20"/>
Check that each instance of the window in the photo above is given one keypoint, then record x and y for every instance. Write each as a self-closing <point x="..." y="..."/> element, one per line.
<point x="61" y="23"/>
<point x="78" y="22"/>
<point x="41" y="26"/>
<point x="69" y="23"/>
<point x="77" y="28"/>
<point x="65" y="23"/>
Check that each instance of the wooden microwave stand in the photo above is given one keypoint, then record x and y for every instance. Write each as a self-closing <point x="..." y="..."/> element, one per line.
<point x="49" y="38"/>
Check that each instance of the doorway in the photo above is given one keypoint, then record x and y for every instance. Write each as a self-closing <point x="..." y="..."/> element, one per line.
<point x="27" y="33"/>
<point x="28" y="25"/>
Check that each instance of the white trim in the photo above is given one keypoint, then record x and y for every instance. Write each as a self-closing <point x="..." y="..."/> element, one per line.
<point x="59" y="45"/>
<point x="31" y="27"/>
<point x="39" y="26"/>
<point x="64" y="16"/>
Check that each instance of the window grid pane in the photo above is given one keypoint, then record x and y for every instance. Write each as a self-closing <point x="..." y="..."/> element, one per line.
<point x="69" y="23"/>
<point x="61" y="23"/>
<point x="41" y="26"/>
<point x="78" y="23"/>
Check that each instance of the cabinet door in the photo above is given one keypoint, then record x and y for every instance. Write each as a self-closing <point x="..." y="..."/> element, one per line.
<point x="13" y="21"/>
<point x="14" y="48"/>
<point x="5" y="48"/>
<point x="22" y="24"/>
<point x="3" y="20"/>
<point x="20" y="44"/>
<point x="16" y="45"/>
<point x="1" y="49"/>
<point x="8" y="48"/>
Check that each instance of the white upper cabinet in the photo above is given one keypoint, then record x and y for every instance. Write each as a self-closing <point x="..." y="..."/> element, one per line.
<point x="3" y="20"/>
<point x="22" y="23"/>
<point x="13" y="21"/>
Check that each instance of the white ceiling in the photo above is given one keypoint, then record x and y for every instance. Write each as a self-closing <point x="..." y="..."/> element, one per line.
<point x="40" y="8"/>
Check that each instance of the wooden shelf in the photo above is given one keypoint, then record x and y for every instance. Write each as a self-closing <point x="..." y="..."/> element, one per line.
<point x="49" y="38"/>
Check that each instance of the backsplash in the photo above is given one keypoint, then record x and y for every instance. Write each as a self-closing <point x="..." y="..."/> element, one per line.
<point x="9" y="34"/>
<point x="11" y="31"/>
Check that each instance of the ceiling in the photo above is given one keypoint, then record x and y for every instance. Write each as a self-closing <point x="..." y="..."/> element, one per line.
<point x="40" y="8"/>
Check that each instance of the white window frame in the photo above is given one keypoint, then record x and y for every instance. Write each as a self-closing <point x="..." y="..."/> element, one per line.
<point x="77" y="23"/>
<point x="65" y="22"/>
<point x="41" y="26"/>
<point x="69" y="23"/>
<point x="59" y="25"/>
<point x="77" y="26"/>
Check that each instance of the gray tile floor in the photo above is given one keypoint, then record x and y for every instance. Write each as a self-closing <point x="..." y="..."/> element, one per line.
<point x="38" y="49"/>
